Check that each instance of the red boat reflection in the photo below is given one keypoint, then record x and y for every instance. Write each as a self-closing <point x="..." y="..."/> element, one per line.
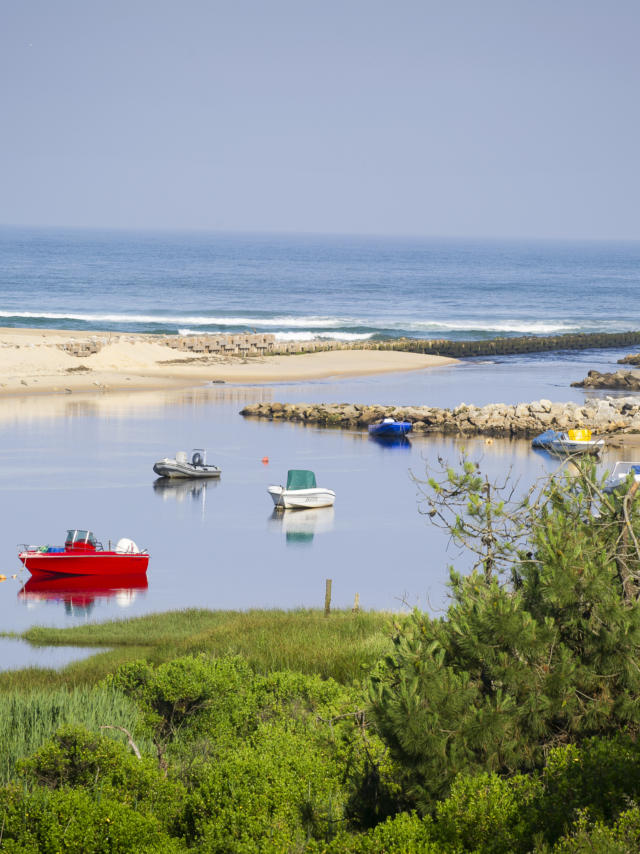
<point x="79" y="593"/>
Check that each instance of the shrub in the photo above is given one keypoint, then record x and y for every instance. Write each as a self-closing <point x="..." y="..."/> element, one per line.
<point x="47" y="822"/>
<point x="79" y="759"/>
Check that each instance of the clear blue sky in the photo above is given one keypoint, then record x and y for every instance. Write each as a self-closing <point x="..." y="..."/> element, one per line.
<point x="454" y="117"/>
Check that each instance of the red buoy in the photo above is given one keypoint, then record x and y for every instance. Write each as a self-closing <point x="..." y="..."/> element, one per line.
<point x="265" y="459"/>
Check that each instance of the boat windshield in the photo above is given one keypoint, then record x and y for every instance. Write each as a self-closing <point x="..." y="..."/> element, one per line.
<point x="75" y="535"/>
<point x="300" y="479"/>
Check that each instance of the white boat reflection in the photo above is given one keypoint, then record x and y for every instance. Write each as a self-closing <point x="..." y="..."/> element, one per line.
<point x="300" y="526"/>
<point x="79" y="593"/>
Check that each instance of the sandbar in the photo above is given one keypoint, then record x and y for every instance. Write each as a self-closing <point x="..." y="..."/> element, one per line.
<point x="33" y="361"/>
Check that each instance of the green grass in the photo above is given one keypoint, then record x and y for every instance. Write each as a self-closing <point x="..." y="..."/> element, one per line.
<point x="341" y="645"/>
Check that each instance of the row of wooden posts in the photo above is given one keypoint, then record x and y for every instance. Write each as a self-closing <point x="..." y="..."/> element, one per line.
<point x="327" y="599"/>
<point x="261" y="344"/>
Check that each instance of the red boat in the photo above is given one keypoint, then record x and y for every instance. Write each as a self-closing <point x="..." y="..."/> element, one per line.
<point x="82" y="554"/>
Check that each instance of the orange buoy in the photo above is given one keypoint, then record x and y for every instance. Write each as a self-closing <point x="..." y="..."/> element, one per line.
<point x="265" y="459"/>
<point x="3" y="577"/>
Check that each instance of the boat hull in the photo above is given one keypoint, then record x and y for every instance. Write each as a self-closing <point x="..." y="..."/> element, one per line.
<point x="301" y="499"/>
<point x="566" y="448"/>
<point x="99" y="564"/>
<point x="170" y="468"/>
<point x="391" y="431"/>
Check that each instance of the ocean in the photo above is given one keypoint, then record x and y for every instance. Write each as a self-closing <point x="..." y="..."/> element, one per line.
<point x="304" y="287"/>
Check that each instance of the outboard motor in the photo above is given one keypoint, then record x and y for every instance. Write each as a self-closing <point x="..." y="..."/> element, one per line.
<point x="127" y="546"/>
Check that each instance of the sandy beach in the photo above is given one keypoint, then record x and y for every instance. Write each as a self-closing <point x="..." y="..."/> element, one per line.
<point x="33" y="361"/>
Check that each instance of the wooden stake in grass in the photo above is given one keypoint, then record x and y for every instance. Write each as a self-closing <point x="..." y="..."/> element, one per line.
<point x="356" y="603"/>
<point x="327" y="597"/>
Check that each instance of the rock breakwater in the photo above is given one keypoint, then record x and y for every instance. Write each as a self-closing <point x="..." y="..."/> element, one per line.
<point x="523" y="420"/>
<point x="619" y="380"/>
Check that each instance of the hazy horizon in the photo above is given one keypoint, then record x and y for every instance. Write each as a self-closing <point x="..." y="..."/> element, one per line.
<point x="466" y="121"/>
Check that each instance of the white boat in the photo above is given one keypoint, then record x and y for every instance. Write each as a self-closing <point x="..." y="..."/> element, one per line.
<point x="619" y="475"/>
<point x="301" y="492"/>
<point x="182" y="467"/>
<point x="575" y="442"/>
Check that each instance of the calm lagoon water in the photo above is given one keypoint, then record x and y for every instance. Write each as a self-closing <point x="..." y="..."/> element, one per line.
<point x="86" y="461"/>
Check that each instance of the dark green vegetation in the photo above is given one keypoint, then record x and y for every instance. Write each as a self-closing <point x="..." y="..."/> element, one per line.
<point x="510" y="724"/>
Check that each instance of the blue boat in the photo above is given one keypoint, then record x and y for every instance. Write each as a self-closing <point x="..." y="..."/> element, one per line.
<point x="390" y="428"/>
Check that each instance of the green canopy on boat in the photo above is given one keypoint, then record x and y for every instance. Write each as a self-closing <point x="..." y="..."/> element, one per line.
<point x="300" y="479"/>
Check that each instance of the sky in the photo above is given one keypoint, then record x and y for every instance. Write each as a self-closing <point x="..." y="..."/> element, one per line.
<point x="499" y="118"/>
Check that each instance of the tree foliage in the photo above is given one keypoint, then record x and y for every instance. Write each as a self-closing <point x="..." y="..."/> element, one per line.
<point x="540" y="645"/>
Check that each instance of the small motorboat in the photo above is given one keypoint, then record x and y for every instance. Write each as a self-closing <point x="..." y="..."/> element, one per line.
<point x="543" y="441"/>
<point x="181" y="467"/>
<point x="620" y="474"/>
<point x="566" y="444"/>
<point x="82" y="554"/>
<point x="390" y="428"/>
<point x="301" y="492"/>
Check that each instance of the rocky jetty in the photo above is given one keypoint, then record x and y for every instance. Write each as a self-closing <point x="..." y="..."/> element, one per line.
<point x="496" y="419"/>
<point x="620" y="381"/>
<point x="631" y="359"/>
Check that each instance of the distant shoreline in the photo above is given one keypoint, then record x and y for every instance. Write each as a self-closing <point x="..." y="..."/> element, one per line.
<point x="35" y="361"/>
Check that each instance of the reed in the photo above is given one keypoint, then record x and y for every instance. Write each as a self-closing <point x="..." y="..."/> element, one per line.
<point x="28" y="719"/>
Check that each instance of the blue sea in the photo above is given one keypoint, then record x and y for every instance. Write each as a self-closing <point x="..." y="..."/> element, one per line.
<point x="305" y="287"/>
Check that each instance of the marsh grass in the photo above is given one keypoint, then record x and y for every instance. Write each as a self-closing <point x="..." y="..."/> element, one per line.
<point x="341" y="646"/>
<point x="29" y="718"/>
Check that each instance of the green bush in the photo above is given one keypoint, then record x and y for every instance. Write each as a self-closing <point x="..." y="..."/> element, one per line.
<point x="45" y="821"/>
<point x="271" y="792"/>
<point x="405" y="833"/>
<point x="587" y="837"/>
<point x="597" y="781"/>
<point x="79" y="759"/>
<point x="488" y="814"/>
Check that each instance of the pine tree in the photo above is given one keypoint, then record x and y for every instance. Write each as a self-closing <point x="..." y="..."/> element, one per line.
<point x="540" y="645"/>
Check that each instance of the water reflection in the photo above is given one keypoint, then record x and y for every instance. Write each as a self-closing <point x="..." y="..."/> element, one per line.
<point x="79" y="594"/>
<point x="300" y="526"/>
<point x="180" y="490"/>
<point x="391" y="441"/>
<point x="126" y="404"/>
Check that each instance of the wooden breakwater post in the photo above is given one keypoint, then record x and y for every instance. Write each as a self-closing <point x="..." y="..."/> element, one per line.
<point x="513" y="346"/>
<point x="327" y="597"/>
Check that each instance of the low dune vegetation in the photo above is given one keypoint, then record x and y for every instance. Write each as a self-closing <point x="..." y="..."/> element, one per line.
<point x="508" y="724"/>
